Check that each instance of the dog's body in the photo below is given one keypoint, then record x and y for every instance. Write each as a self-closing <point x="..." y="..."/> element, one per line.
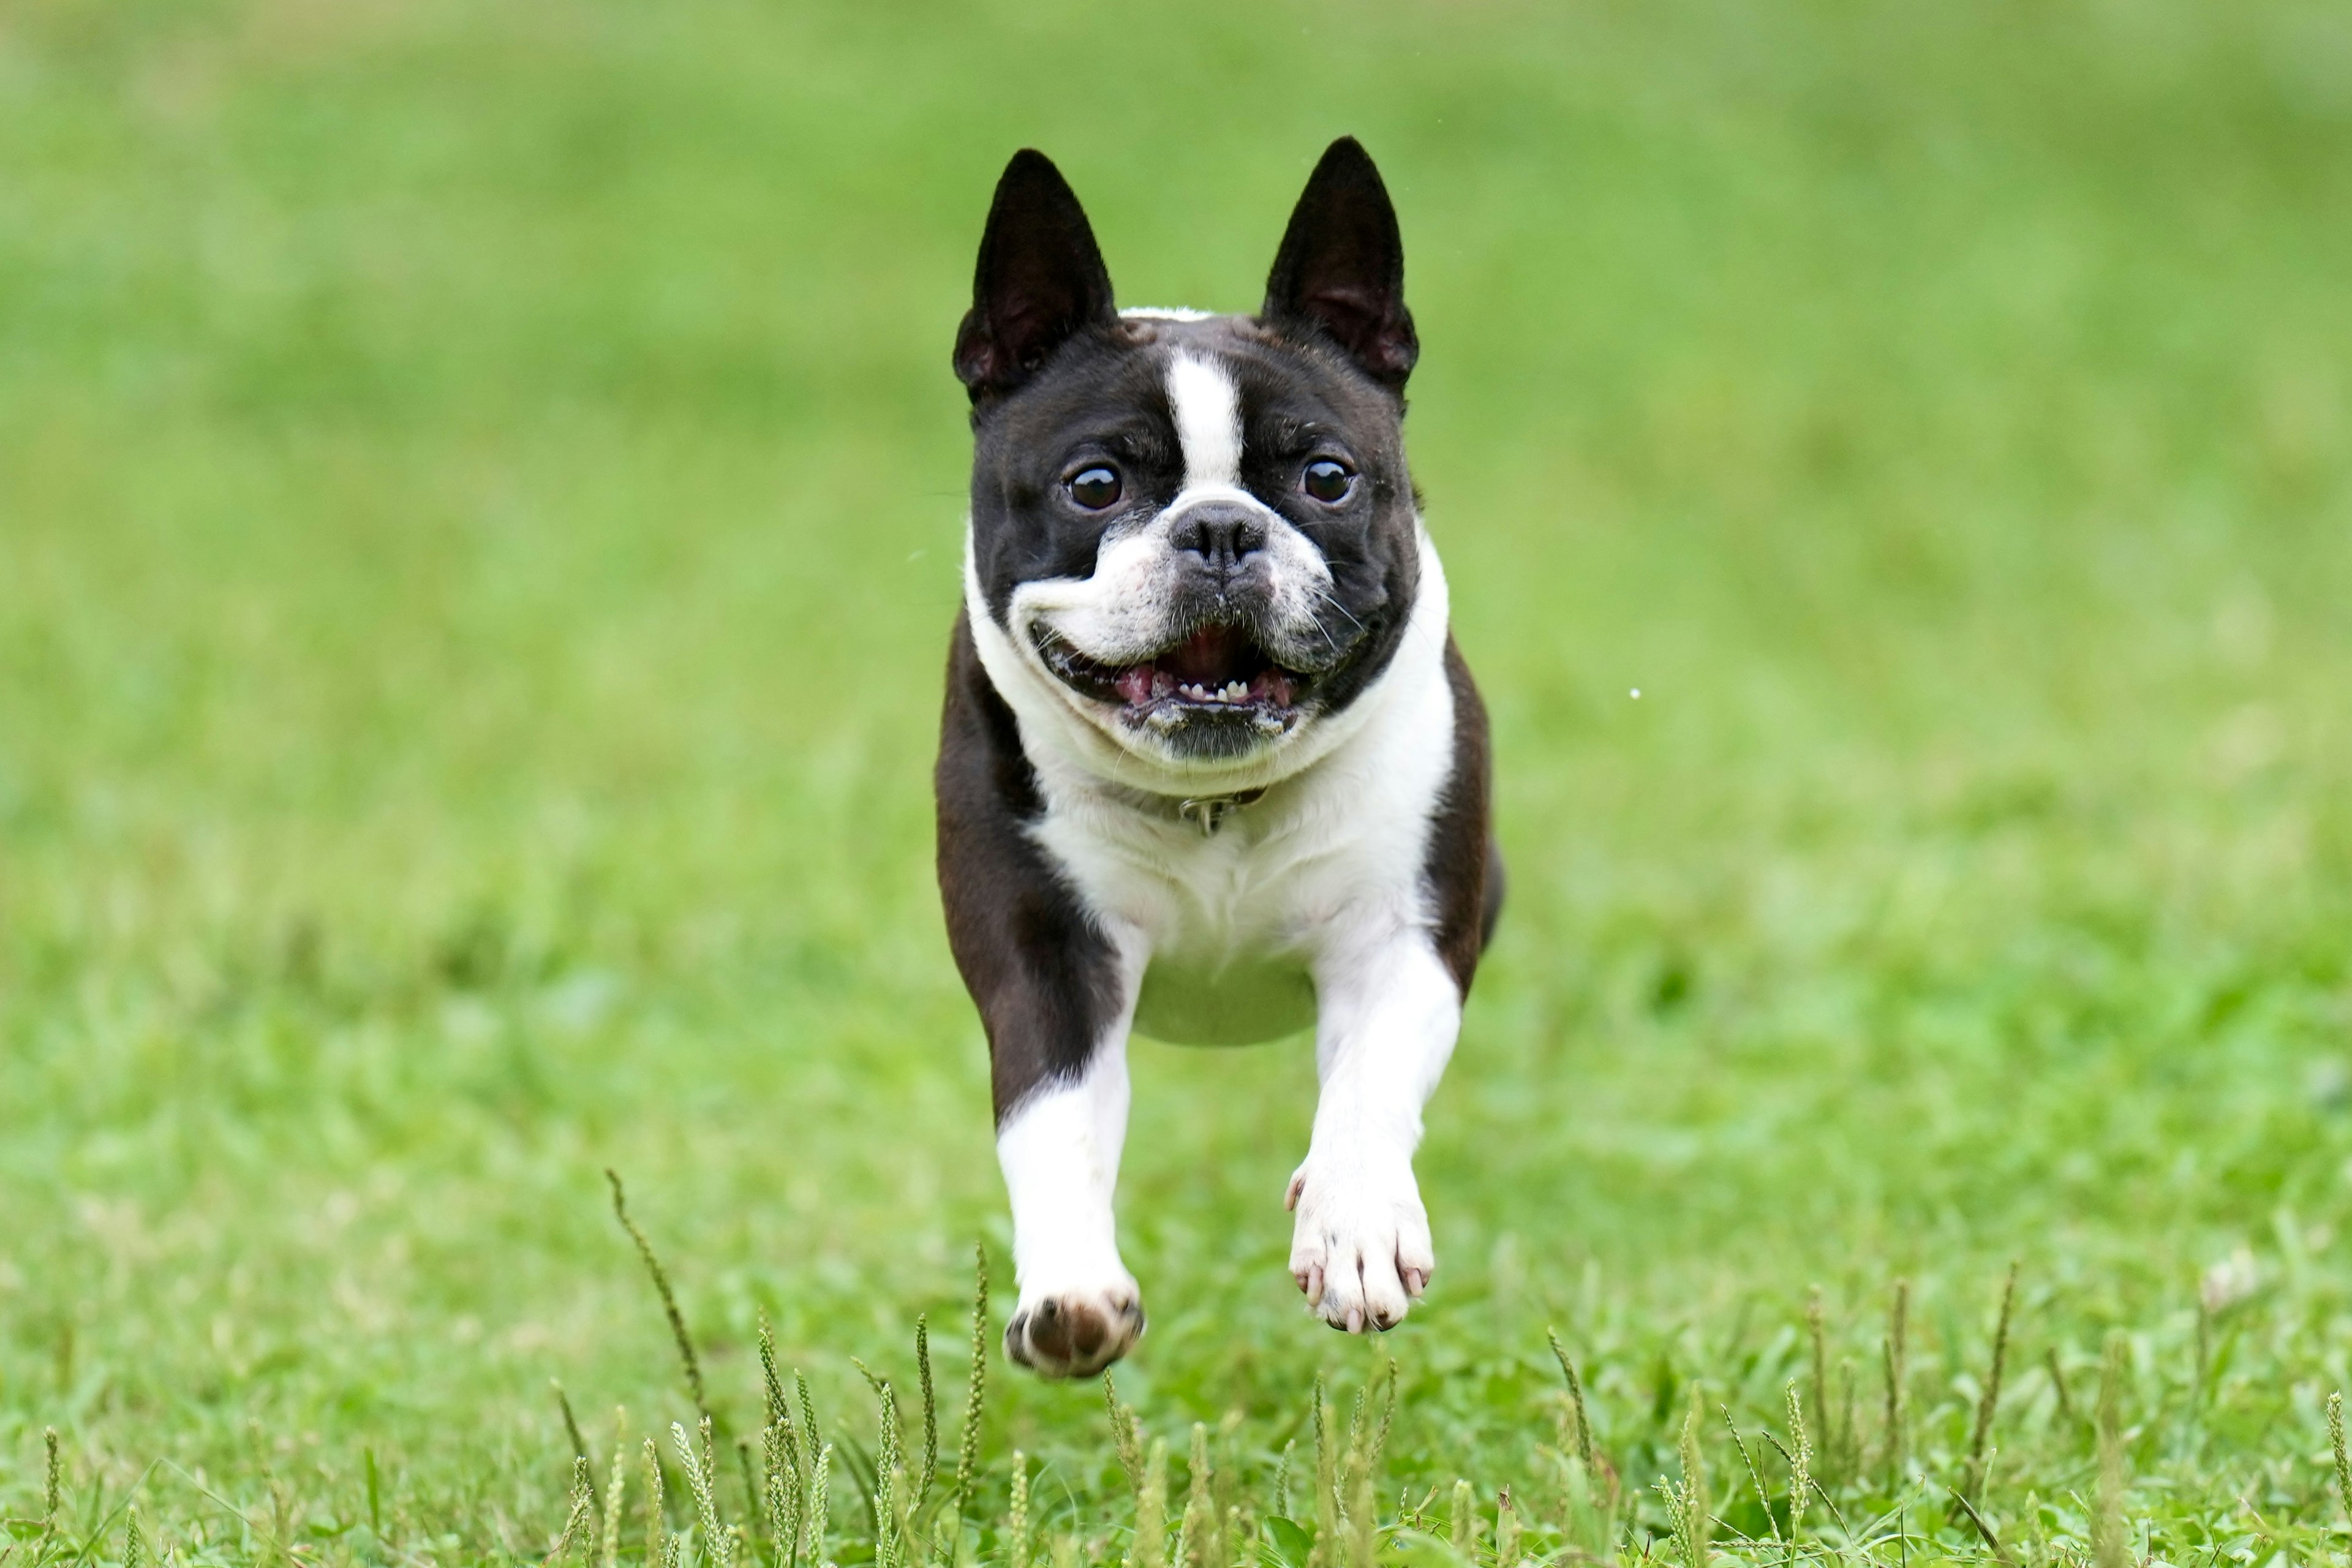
<point x="1210" y="767"/>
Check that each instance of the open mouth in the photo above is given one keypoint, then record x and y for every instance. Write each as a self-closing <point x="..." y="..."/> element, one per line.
<point x="1217" y="670"/>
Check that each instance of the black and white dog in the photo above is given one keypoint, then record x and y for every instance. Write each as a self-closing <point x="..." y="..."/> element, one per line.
<point x="1211" y="768"/>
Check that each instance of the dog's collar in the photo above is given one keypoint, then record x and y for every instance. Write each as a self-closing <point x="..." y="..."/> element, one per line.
<point x="1208" y="811"/>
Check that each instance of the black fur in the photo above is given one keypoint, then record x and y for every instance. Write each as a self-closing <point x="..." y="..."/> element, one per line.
<point x="1040" y="279"/>
<point x="1462" y="867"/>
<point x="1039" y="972"/>
<point x="1340" y="271"/>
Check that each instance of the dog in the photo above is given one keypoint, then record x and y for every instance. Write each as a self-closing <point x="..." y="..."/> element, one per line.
<point x="1210" y="767"/>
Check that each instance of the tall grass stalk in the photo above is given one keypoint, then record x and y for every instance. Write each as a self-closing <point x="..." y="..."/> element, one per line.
<point x="1360" y="1518"/>
<point x="1327" y="1482"/>
<point x="782" y="1494"/>
<point x="931" y="1410"/>
<point x="808" y="1425"/>
<point x="1896" y="1352"/>
<point x="615" y="1492"/>
<point x="818" y="1522"/>
<point x="2107" y="1545"/>
<point x="1988" y="1400"/>
<point x="2335" y="1447"/>
<point x="1462" y="1528"/>
<point x="1151" y="1545"/>
<point x="1755" y="1475"/>
<point x="1801" y="1466"/>
<point x="976" y="1395"/>
<point x="1818" y="1343"/>
<point x="1576" y="1398"/>
<point x="780" y="1410"/>
<point x="576" y="1521"/>
<point x="1686" y="1498"/>
<point x="1016" y="1526"/>
<point x="655" y="1500"/>
<point x="668" y="1298"/>
<point x="1124" y="1436"/>
<point x="1843" y="1450"/>
<point x="2058" y="1387"/>
<point x="52" y="1480"/>
<point x="889" y="1467"/>
<point x="700" y="1483"/>
<point x="1200" y="1504"/>
<point x="571" y="1422"/>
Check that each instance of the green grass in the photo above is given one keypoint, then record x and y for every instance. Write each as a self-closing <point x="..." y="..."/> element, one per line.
<point x="479" y="523"/>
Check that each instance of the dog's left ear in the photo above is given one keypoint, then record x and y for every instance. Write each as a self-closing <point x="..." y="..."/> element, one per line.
<point x="1341" y="267"/>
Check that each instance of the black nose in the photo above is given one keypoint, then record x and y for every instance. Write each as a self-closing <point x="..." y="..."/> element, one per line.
<point x="1219" y="534"/>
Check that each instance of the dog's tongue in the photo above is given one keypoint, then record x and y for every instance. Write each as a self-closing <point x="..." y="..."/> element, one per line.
<point x="1210" y="657"/>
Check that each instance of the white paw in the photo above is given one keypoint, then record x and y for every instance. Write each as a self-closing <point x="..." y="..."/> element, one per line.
<point x="1075" y="1333"/>
<point x="1361" y="1249"/>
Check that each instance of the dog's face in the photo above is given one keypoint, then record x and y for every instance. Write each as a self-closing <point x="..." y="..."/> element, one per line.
<point x="1197" y="531"/>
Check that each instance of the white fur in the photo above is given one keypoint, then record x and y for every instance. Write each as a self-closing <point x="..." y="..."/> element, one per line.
<point x="1390" y="1012"/>
<point x="1208" y="410"/>
<point x="1165" y="313"/>
<point x="1121" y="614"/>
<point x="1059" y="1151"/>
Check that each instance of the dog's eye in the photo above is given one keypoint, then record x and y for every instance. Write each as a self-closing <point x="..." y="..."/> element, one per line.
<point x="1095" y="488"/>
<point x="1328" y="480"/>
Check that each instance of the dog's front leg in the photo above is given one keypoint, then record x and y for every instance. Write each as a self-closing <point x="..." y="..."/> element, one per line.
<point x="1388" y="1011"/>
<point x="1055" y="984"/>
<point x="1059" y="1145"/>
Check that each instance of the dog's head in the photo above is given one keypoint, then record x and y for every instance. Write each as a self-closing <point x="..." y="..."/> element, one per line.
<point x="1196" y="532"/>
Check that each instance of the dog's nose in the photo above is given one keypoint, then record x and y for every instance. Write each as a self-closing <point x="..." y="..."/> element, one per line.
<point x="1219" y="534"/>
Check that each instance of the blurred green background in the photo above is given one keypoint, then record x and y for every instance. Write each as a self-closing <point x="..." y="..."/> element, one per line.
<point x="480" y="517"/>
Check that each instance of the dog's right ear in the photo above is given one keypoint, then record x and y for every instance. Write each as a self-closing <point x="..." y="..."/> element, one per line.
<point x="1041" y="280"/>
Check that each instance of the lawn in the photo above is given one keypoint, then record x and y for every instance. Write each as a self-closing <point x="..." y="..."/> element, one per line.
<point x="480" y="517"/>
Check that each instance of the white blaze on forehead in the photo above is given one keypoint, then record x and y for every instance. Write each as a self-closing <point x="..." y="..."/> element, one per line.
<point x="1208" y="409"/>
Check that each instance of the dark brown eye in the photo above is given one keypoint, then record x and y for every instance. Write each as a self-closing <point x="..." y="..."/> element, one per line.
<point x="1328" y="481"/>
<point x="1095" y="488"/>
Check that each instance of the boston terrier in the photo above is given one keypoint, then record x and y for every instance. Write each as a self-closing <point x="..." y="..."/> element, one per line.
<point x="1211" y="769"/>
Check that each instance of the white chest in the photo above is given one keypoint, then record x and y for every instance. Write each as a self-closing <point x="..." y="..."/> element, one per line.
<point x="1229" y="930"/>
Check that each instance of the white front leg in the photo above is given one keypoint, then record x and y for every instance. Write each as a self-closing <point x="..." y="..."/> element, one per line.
<point x="1387" y="1014"/>
<point x="1080" y="1309"/>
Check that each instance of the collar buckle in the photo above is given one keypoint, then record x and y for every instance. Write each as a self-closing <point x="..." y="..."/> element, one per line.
<point x="1209" y="812"/>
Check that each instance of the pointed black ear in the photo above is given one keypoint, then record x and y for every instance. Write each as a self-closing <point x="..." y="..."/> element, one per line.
<point x="1341" y="267"/>
<point x="1041" y="280"/>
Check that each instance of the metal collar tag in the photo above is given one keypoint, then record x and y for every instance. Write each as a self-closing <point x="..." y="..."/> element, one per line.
<point x="1210" y="813"/>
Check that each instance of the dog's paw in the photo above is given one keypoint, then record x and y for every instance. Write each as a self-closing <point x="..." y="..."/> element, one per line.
<point x="1076" y="1333"/>
<point x="1361" y="1249"/>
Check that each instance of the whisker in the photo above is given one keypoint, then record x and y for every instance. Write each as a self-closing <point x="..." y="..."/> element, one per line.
<point x="1325" y="595"/>
<point x="1317" y="621"/>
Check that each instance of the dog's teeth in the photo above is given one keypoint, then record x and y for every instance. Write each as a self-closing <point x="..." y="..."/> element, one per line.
<point x="1236" y="692"/>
